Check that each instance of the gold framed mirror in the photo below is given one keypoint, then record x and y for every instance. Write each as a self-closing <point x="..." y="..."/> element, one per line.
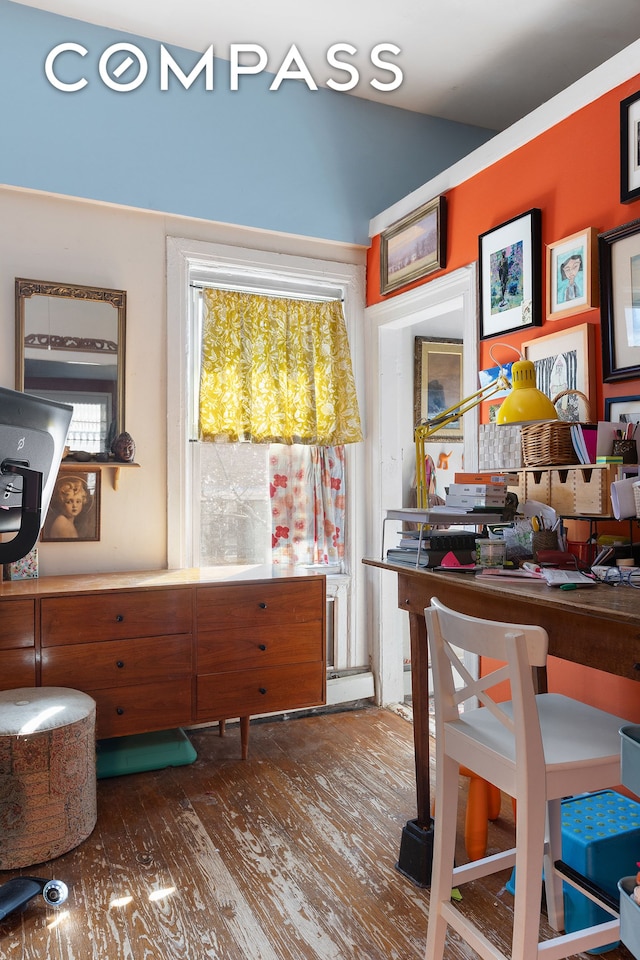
<point x="70" y="343"/>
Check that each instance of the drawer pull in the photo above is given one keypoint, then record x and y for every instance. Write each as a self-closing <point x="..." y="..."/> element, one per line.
<point x="120" y="711"/>
<point x="119" y="618"/>
<point x="262" y="605"/>
<point x="119" y="664"/>
<point x="262" y="646"/>
<point x="262" y="690"/>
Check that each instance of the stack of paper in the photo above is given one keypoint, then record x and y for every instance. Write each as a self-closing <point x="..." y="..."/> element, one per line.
<point x="623" y="501"/>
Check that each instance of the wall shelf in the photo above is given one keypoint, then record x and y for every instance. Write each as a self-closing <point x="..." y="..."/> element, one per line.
<point x="112" y="466"/>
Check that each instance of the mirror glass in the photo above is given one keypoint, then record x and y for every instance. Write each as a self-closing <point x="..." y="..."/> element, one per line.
<point x="70" y="347"/>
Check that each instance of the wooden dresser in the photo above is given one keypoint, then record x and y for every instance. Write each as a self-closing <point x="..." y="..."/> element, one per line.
<point x="168" y="648"/>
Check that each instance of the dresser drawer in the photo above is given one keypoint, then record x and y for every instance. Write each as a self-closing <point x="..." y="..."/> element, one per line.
<point x="115" y="616"/>
<point x="17" y="624"/>
<point x="108" y="663"/>
<point x="268" y="602"/>
<point x="18" y="668"/>
<point x="263" y="690"/>
<point x="241" y="648"/>
<point x="151" y="706"/>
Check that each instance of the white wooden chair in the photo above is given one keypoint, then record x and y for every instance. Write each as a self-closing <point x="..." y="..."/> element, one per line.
<point x="537" y="749"/>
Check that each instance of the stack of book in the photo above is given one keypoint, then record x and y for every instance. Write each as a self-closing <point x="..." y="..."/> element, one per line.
<point x="431" y="550"/>
<point x="476" y="496"/>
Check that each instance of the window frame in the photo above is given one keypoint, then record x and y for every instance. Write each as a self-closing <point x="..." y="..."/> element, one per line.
<point x="191" y="261"/>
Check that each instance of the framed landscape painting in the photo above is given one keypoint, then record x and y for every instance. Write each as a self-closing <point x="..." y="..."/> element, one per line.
<point x="414" y="246"/>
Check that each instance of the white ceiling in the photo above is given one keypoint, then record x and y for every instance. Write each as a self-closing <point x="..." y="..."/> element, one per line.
<point x="484" y="62"/>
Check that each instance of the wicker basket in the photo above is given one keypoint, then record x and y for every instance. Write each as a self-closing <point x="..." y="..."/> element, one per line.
<point x="550" y="443"/>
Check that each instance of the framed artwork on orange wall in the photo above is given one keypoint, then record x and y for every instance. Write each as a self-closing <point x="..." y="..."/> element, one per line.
<point x="630" y="148"/>
<point x="414" y="246"/>
<point x="572" y="274"/>
<point x="510" y="274"/>
<point x="619" y="254"/>
<point x="564" y="365"/>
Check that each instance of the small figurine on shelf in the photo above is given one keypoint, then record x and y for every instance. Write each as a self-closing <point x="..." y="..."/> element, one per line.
<point x="123" y="448"/>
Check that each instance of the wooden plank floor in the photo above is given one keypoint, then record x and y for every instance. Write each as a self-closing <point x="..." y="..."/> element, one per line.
<point x="288" y="856"/>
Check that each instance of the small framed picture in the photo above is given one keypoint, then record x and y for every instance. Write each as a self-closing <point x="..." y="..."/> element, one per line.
<point x="619" y="255"/>
<point x="414" y="246"/>
<point x="564" y="365"/>
<point x="622" y="409"/>
<point x="630" y="148"/>
<point x="438" y="382"/>
<point x="510" y="276"/>
<point x="74" y="511"/>
<point x="572" y="274"/>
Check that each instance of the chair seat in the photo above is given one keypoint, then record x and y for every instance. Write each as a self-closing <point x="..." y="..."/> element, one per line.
<point x="575" y="736"/>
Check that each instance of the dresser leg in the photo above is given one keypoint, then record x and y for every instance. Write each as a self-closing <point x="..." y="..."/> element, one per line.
<point x="244" y="736"/>
<point x="221" y="727"/>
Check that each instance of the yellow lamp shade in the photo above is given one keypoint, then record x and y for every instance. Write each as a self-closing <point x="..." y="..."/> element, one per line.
<point x="525" y="403"/>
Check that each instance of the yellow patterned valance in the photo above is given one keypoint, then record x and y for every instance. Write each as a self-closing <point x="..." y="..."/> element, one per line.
<point x="276" y="370"/>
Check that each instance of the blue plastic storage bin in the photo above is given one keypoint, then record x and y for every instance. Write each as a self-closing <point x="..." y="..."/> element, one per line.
<point x="601" y="841"/>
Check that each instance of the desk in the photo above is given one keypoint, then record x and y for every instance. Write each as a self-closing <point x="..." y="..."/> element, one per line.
<point x="598" y="627"/>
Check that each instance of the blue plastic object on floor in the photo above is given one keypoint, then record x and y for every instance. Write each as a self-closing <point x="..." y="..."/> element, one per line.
<point x="143" y="751"/>
<point x="600" y="839"/>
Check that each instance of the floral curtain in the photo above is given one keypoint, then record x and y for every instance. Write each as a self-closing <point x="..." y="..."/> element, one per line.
<point x="276" y="370"/>
<point x="307" y="487"/>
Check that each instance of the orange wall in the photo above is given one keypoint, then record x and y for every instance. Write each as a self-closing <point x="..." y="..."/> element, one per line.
<point x="572" y="173"/>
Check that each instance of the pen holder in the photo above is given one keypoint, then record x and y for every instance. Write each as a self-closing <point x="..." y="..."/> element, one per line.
<point x="626" y="449"/>
<point x="544" y="540"/>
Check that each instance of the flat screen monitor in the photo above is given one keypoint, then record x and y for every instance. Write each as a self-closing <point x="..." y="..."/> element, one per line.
<point x="33" y="433"/>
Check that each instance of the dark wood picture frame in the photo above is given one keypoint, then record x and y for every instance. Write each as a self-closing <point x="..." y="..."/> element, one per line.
<point x="619" y="256"/>
<point x="630" y="148"/>
<point x="414" y="246"/>
<point x="510" y="275"/>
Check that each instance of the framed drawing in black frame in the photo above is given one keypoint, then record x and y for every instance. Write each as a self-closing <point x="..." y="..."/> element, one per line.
<point x="619" y="255"/>
<point x="414" y="246"/>
<point x="622" y="409"/>
<point x="630" y="148"/>
<point x="510" y="272"/>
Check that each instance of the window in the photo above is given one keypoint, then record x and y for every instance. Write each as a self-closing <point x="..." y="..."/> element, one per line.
<point x="199" y="530"/>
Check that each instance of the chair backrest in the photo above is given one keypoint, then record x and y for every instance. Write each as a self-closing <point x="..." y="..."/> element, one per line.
<point x="517" y="648"/>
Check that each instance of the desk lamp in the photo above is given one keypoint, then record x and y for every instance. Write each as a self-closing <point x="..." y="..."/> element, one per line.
<point x="524" y="404"/>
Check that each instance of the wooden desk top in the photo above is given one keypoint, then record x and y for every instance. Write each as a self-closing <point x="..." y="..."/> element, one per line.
<point x="598" y="626"/>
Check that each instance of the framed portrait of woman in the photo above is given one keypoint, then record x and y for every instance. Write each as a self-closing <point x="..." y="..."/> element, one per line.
<point x="74" y="511"/>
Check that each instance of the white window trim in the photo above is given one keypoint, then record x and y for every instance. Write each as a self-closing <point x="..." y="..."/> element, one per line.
<point x="186" y="259"/>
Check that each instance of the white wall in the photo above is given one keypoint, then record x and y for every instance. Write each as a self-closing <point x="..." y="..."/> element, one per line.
<point x="70" y="241"/>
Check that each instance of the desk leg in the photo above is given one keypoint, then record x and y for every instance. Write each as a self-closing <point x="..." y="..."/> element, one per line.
<point x="416" y="848"/>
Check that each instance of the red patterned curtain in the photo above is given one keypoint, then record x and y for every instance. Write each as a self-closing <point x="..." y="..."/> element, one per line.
<point x="307" y="487"/>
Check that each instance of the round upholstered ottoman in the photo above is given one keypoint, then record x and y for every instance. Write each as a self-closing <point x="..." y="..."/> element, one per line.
<point x="47" y="773"/>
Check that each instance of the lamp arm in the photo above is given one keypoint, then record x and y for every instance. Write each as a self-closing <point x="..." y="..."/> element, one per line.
<point x="425" y="429"/>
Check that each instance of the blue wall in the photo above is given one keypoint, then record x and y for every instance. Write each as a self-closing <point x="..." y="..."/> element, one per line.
<point x="314" y="163"/>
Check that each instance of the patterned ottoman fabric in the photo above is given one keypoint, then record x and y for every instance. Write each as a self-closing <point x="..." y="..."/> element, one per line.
<point x="47" y="773"/>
